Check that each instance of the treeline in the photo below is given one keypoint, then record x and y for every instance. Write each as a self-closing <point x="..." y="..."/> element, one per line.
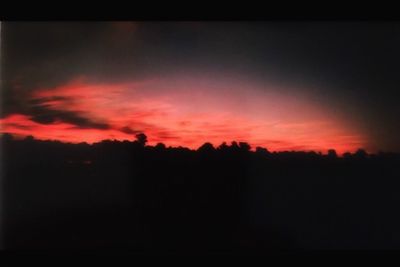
<point x="87" y="151"/>
<point x="128" y="195"/>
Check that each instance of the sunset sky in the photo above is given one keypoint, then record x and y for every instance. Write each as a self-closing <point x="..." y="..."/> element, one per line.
<point x="280" y="85"/>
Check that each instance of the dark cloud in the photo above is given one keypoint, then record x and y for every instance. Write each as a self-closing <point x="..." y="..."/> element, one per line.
<point x="44" y="115"/>
<point x="41" y="101"/>
<point x="129" y="130"/>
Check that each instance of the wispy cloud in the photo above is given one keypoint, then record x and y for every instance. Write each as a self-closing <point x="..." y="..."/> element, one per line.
<point x="82" y="111"/>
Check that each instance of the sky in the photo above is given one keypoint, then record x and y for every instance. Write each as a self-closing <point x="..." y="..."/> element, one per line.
<point x="283" y="85"/>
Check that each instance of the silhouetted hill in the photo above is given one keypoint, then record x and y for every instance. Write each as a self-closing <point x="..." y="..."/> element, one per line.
<point x="126" y="195"/>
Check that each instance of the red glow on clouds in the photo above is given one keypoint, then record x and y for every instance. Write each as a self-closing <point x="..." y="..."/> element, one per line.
<point x="188" y="113"/>
<point x="22" y="125"/>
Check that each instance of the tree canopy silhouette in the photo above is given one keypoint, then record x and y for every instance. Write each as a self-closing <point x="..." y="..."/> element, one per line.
<point x="127" y="194"/>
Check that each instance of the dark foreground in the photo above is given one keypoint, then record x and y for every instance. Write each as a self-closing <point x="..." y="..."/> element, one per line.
<point x="125" y="196"/>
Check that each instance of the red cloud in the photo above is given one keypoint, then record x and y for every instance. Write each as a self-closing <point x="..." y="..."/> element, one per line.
<point x="177" y="118"/>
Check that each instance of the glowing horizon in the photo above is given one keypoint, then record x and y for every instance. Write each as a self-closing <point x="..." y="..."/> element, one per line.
<point x="184" y="112"/>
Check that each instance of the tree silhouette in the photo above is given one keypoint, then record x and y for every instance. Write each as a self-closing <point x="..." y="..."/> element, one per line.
<point x="223" y="147"/>
<point x="262" y="151"/>
<point x="141" y="139"/>
<point x="206" y="148"/>
<point x="244" y="146"/>
<point x="361" y="153"/>
<point x="29" y="138"/>
<point x="160" y="147"/>
<point x="134" y="196"/>
<point x="332" y="154"/>
<point x="7" y="137"/>
<point x="234" y="146"/>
